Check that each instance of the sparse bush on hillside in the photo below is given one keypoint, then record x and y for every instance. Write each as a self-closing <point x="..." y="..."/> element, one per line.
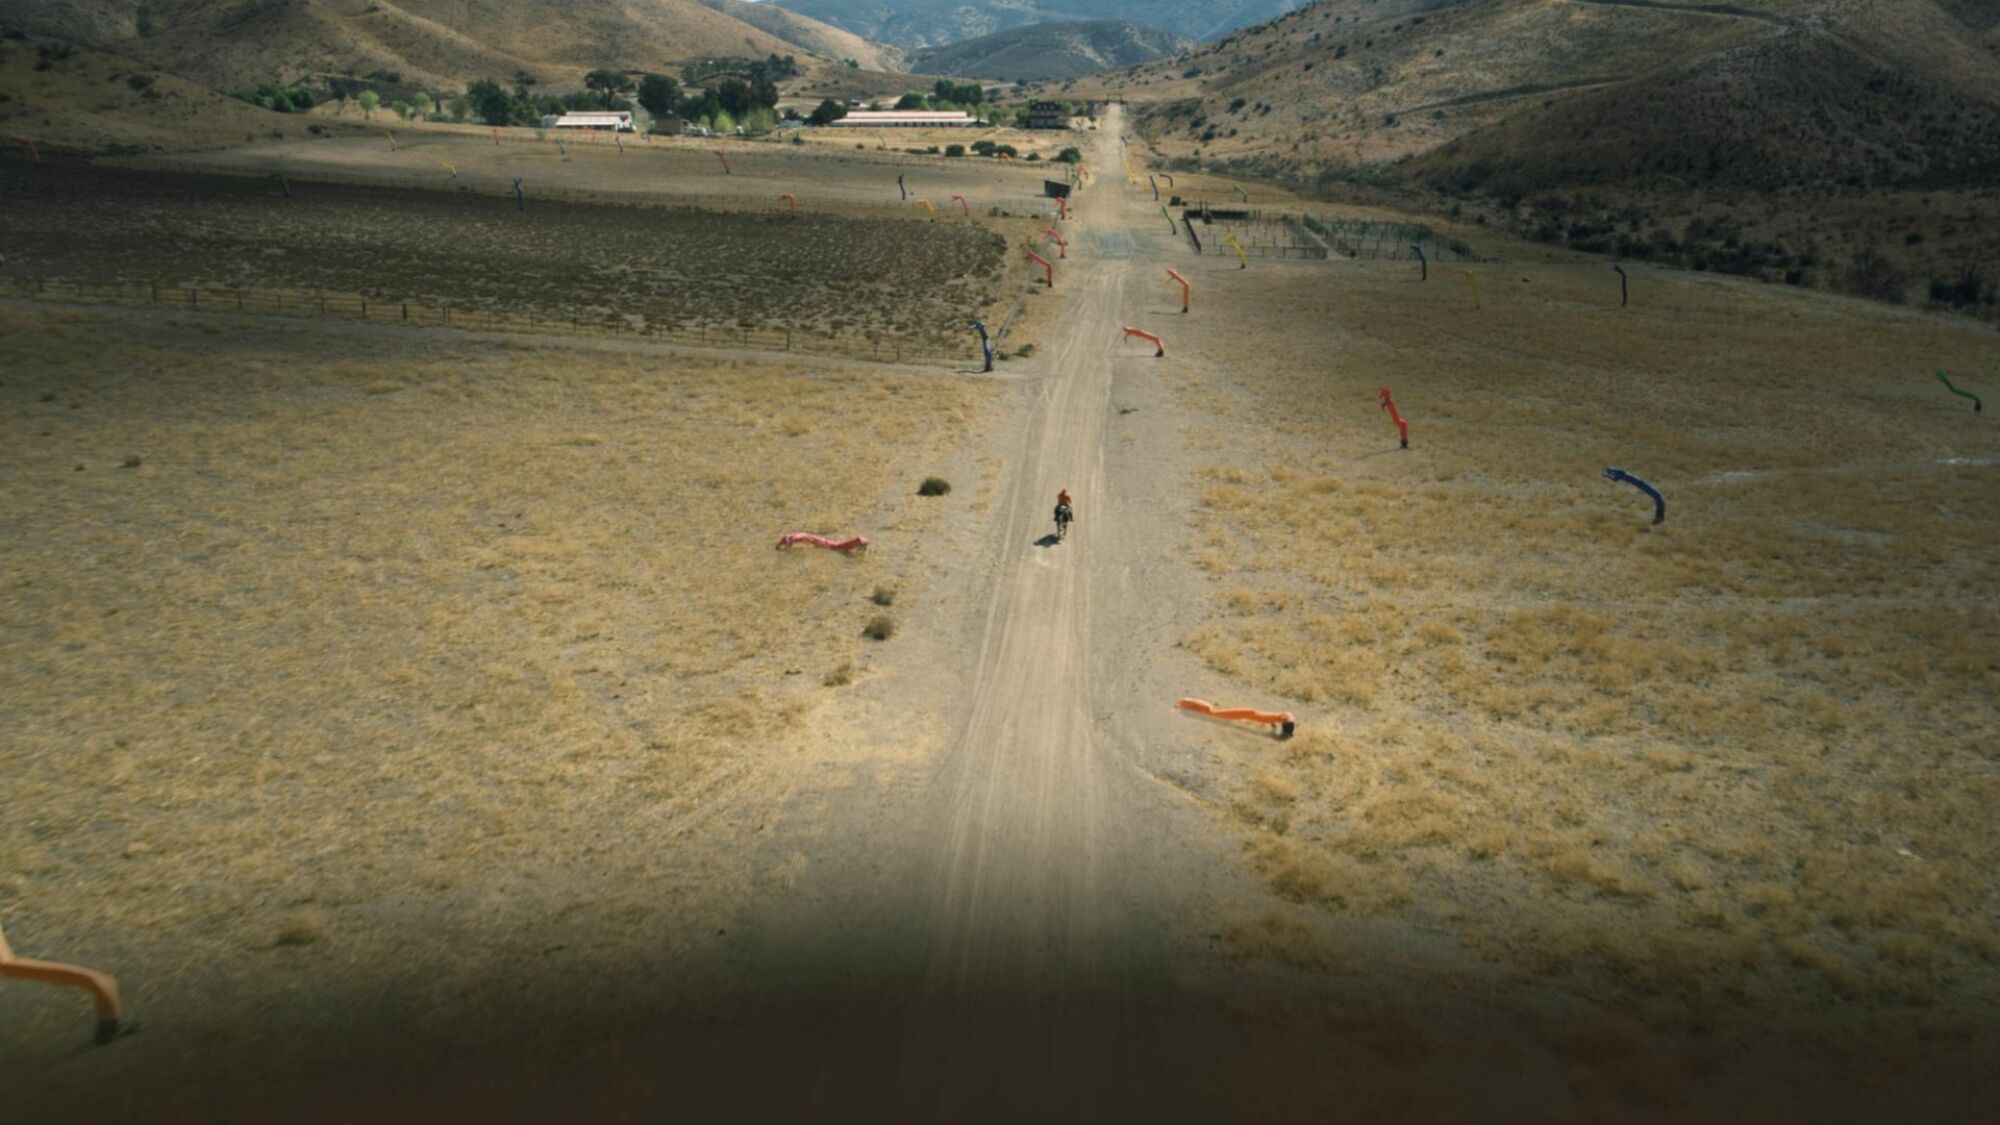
<point x="1873" y="274"/>
<point x="1964" y="291"/>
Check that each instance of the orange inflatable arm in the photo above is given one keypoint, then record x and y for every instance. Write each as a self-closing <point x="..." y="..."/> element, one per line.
<point x="793" y="200"/>
<point x="1048" y="271"/>
<point x="1062" y="244"/>
<point x="1396" y="416"/>
<point x="1185" y="288"/>
<point x="1283" y="720"/>
<point x="725" y="161"/>
<point x="1159" y="348"/>
<point x="102" y="988"/>
<point x="858" y="543"/>
<point x="966" y="207"/>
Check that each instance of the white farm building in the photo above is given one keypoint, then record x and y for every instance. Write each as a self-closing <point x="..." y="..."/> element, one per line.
<point x="620" y="121"/>
<point x="908" y="119"/>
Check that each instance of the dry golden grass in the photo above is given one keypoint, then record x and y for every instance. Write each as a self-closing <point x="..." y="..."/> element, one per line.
<point x="394" y="635"/>
<point x="1745" y="755"/>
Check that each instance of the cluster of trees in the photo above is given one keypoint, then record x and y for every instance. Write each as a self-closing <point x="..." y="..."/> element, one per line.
<point x="957" y="93"/>
<point x="729" y="103"/>
<point x="768" y="69"/>
<point x="278" y="97"/>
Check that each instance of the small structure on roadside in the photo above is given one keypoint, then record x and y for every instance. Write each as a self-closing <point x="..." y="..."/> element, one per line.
<point x="617" y="120"/>
<point x="1046" y="115"/>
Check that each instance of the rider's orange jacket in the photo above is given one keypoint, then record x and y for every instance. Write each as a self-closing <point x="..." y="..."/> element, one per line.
<point x="1063" y="496"/>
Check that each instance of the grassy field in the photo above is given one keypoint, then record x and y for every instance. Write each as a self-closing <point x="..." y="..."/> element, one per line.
<point x="339" y="646"/>
<point x="833" y="171"/>
<point x="1739" y="762"/>
<point x="915" y="282"/>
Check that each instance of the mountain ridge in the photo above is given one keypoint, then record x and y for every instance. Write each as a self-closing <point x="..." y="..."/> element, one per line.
<point x="434" y="43"/>
<point x="915" y="24"/>
<point x="1053" y="50"/>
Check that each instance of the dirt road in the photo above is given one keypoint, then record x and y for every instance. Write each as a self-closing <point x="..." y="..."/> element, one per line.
<point x="990" y="937"/>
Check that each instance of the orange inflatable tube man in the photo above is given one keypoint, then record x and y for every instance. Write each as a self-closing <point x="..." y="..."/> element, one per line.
<point x="102" y="988"/>
<point x="1283" y="720"/>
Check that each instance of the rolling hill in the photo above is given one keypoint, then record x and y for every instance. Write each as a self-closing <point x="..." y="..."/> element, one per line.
<point x="433" y="43"/>
<point x="1757" y="94"/>
<point x="67" y="99"/>
<point x="930" y="23"/>
<point x="1051" y="50"/>
<point x="1816" y="141"/>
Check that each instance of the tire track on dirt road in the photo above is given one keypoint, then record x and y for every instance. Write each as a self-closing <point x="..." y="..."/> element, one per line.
<point x="1005" y="949"/>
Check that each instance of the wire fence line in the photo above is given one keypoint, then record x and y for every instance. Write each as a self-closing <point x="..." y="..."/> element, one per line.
<point x="432" y="314"/>
<point x="637" y="141"/>
<point x="299" y="184"/>
<point x="1267" y="233"/>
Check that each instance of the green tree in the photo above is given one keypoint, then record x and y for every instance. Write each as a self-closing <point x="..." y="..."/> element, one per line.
<point x="493" y="105"/>
<point x="1069" y="156"/>
<point x="722" y="122"/>
<point x="959" y="93"/>
<point x="460" y="108"/>
<point x="954" y="150"/>
<point x="403" y="110"/>
<point x="699" y="105"/>
<point x="424" y="104"/>
<point x="659" y="94"/>
<point x="827" y="112"/>
<point x="910" y="100"/>
<point x="607" y="82"/>
<point x="734" y="94"/>
<point x="369" y="100"/>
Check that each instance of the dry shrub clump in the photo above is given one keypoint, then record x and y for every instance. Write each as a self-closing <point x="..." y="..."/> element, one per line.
<point x="487" y="638"/>
<point x="574" y="262"/>
<point x="1746" y="754"/>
